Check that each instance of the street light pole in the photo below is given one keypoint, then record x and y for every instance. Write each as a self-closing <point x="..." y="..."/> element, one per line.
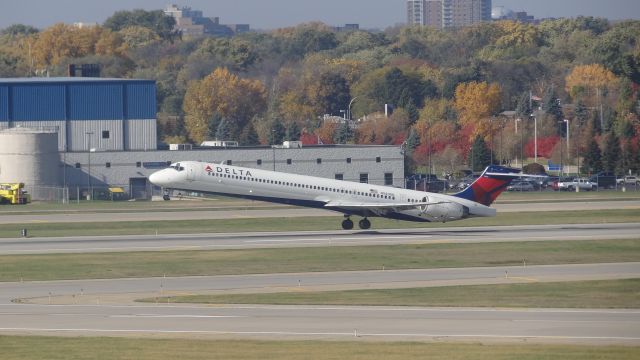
<point x="491" y="140"/>
<point x="535" y="138"/>
<point x="517" y="121"/>
<point x="349" y="108"/>
<point x="568" y="152"/>
<point x="89" y="133"/>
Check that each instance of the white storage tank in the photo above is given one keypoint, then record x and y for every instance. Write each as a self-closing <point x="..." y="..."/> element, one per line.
<point x="30" y="156"/>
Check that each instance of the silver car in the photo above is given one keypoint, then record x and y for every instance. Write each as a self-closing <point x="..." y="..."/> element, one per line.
<point x="520" y="186"/>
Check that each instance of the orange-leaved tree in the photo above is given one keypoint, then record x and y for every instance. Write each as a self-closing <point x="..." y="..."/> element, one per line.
<point x="235" y="99"/>
<point x="586" y="80"/>
<point x="476" y="102"/>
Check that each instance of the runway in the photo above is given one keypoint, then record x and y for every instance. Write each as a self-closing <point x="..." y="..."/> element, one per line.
<point x="318" y="238"/>
<point x="324" y="322"/>
<point x="107" y="307"/>
<point x="87" y="308"/>
<point x="251" y="211"/>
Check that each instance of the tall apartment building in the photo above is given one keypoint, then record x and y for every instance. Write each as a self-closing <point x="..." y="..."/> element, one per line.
<point x="415" y="12"/>
<point x="447" y="13"/>
<point x="458" y="13"/>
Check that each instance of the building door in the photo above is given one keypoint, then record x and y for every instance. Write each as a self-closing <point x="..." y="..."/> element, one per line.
<point x="139" y="188"/>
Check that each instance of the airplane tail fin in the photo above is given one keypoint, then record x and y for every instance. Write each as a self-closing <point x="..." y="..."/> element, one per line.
<point x="493" y="181"/>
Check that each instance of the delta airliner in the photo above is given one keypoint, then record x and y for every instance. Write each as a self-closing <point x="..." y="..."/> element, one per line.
<point x="349" y="198"/>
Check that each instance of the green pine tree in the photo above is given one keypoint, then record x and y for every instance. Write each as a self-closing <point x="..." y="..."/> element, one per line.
<point x="551" y="106"/>
<point x="523" y="110"/>
<point x="292" y="133"/>
<point x="611" y="153"/>
<point x="212" y="126"/>
<point x="592" y="162"/>
<point x="223" y="132"/>
<point x="277" y="133"/>
<point x="413" y="141"/>
<point x="344" y="133"/>
<point x="249" y="136"/>
<point x="581" y="112"/>
<point x="412" y="111"/>
<point x="479" y="156"/>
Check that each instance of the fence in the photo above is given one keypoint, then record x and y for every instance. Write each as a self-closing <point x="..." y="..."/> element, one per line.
<point x="84" y="193"/>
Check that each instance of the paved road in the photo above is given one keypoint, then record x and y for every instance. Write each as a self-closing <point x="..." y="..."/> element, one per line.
<point x="251" y="212"/>
<point x="319" y="238"/>
<point x="89" y="311"/>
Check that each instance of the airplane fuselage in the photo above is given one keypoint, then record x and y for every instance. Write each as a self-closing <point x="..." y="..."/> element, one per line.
<point x="347" y="197"/>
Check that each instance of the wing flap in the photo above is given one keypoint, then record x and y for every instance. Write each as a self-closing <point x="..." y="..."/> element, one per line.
<point x="379" y="207"/>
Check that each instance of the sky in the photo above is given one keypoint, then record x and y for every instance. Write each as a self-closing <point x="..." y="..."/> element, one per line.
<point x="269" y="14"/>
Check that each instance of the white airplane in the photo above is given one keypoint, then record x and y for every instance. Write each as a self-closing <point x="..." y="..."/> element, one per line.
<point x="349" y="198"/>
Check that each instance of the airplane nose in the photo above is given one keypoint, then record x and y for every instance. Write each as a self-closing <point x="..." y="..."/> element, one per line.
<point x="158" y="178"/>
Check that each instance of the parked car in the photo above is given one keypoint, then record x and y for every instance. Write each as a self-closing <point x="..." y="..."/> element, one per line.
<point x="520" y="185"/>
<point x="539" y="181"/>
<point x="426" y="182"/>
<point x="604" y="180"/>
<point x="466" y="181"/>
<point x="572" y="185"/>
<point x="628" y="180"/>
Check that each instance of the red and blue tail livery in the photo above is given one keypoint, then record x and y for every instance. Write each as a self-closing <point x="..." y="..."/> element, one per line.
<point x="493" y="181"/>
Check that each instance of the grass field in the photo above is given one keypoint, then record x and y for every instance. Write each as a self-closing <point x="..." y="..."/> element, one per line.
<point x="575" y="294"/>
<point x="90" y="348"/>
<point x="288" y="260"/>
<point x="306" y="223"/>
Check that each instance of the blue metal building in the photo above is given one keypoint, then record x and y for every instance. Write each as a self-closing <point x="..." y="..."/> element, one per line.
<point x="99" y="113"/>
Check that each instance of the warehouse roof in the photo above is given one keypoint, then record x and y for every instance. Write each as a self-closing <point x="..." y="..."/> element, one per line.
<point x="66" y="79"/>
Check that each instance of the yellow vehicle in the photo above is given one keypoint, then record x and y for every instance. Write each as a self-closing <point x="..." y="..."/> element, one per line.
<point x="14" y="194"/>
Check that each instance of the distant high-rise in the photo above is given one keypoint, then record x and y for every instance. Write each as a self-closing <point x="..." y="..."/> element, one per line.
<point x="415" y="12"/>
<point x="447" y="13"/>
<point x="457" y="13"/>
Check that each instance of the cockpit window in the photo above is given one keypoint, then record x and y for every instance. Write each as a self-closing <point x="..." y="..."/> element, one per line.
<point x="177" y="167"/>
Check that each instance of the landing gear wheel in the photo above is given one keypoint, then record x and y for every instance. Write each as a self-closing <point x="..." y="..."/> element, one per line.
<point x="166" y="197"/>
<point x="364" y="224"/>
<point x="347" y="224"/>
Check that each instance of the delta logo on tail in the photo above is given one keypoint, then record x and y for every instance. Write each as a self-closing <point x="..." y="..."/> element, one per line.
<point x="493" y="181"/>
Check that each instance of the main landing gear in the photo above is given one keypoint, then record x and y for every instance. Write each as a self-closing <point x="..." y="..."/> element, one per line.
<point x="364" y="224"/>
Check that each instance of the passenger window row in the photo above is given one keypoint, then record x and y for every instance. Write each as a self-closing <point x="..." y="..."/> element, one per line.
<point x="305" y="186"/>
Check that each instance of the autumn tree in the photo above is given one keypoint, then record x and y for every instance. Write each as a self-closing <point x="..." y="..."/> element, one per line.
<point x="587" y="81"/>
<point x="155" y="20"/>
<point x="475" y="103"/>
<point x="60" y="41"/>
<point x="326" y="132"/>
<point x="330" y="94"/>
<point x="238" y="100"/>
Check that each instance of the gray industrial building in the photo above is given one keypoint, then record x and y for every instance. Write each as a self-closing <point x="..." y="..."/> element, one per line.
<point x="383" y="165"/>
<point x="104" y="131"/>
